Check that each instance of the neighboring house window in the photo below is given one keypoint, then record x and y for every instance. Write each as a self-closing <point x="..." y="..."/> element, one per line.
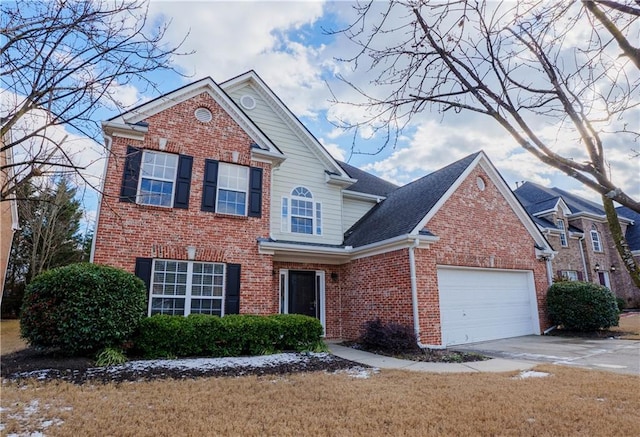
<point x="570" y="275"/>
<point x="595" y="239"/>
<point x="157" y="178"/>
<point x="300" y="214"/>
<point x="232" y="189"/>
<point x="187" y="287"/>
<point x="563" y="234"/>
<point x="233" y="185"/>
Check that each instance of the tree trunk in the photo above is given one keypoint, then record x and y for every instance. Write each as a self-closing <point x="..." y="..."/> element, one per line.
<point x="621" y="243"/>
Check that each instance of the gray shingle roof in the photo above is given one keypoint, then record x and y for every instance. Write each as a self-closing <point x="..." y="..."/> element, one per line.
<point x="633" y="231"/>
<point x="367" y="183"/>
<point x="536" y="198"/>
<point x="403" y="208"/>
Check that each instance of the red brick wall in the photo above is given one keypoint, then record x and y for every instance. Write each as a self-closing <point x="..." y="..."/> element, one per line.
<point x="376" y="287"/>
<point x="476" y="229"/>
<point x="127" y="230"/>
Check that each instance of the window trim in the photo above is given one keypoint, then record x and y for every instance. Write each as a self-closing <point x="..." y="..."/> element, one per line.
<point x="174" y="181"/>
<point x="246" y="191"/>
<point x="189" y="283"/>
<point x="563" y="233"/>
<point x="287" y="216"/>
<point x="569" y="275"/>
<point x="597" y="241"/>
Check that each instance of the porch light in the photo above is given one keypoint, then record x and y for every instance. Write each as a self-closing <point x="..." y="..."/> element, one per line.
<point x="334" y="276"/>
<point x="612" y="269"/>
<point x="597" y="267"/>
<point x="191" y="252"/>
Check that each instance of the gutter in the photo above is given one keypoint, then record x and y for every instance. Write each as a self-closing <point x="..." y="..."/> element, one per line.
<point x="584" y="261"/>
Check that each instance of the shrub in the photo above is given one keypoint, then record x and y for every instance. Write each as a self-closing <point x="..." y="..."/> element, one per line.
<point x="233" y="335"/>
<point x="622" y="304"/>
<point x="110" y="357"/>
<point x="82" y="308"/>
<point x="582" y="306"/>
<point x="392" y="338"/>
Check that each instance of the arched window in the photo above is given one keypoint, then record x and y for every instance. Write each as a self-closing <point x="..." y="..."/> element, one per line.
<point x="304" y="216"/>
<point x="596" y="244"/>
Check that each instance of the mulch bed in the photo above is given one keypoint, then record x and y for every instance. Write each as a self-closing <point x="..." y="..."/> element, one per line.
<point x="34" y="363"/>
<point x="426" y="355"/>
<point x="602" y="333"/>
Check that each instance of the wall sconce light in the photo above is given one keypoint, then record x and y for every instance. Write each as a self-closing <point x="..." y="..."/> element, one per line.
<point x="597" y="267"/>
<point x="162" y="143"/>
<point x="191" y="252"/>
<point x="273" y="272"/>
<point x="235" y="155"/>
<point x="334" y="276"/>
<point x="613" y="268"/>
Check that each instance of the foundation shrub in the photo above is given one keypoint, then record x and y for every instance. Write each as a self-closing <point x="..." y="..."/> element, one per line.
<point x="622" y="304"/>
<point x="582" y="306"/>
<point x="392" y="338"/>
<point x="233" y="335"/>
<point x="82" y="308"/>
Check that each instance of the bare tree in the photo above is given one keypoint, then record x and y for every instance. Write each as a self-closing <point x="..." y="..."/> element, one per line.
<point x="524" y="64"/>
<point x="61" y="62"/>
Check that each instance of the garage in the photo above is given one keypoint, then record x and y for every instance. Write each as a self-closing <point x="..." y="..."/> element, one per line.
<point x="480" y="304"/>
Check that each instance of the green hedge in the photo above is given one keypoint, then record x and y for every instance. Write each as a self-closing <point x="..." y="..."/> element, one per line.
<point x="582" y="306"/>
<point x="233" y="335"/>
<point x="82" y="308"/>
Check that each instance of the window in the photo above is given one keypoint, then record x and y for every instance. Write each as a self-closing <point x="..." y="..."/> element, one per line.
<point x="563" y="234"/>
<point x="595" y="239"/>
<point x="157" y="178"/>
<point x="233" y="184"/>
<point x="187" y="287"/>
<point x="232" y="189"/>
<point x="570" y="275"/>
<point x="300" y="214"/>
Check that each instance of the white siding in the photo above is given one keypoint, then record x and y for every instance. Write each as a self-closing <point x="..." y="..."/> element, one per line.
<point x="353" y="210"/>
<point x="302" y="167"/>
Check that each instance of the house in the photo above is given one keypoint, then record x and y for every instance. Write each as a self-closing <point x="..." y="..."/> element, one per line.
<point x="9" y="223"/>
<point x="223" y="202"/>
<point x="577" y="229"/>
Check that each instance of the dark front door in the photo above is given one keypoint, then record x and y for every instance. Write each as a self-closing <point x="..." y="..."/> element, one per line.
<point x="303" y="294"/>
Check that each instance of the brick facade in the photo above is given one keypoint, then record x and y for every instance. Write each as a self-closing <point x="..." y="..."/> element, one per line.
<point x="126" y="231"/>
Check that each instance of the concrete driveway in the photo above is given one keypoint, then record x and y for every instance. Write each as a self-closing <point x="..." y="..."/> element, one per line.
<point x="619" y="356"/>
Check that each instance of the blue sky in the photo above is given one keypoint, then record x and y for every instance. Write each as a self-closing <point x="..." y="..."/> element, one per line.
<point x="285" y="43"/>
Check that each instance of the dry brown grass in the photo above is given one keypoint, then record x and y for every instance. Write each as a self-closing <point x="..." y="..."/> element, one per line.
<point x="629" y="323"/>
<point x="10" y="340"/>
<point x="569" y="402"/>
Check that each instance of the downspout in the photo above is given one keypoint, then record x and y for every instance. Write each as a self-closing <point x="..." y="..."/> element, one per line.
<point x="584" y="261"/>
<point x="414" y="297"/>
<point x="549" y="271"/>
<point x="108" y="141"/>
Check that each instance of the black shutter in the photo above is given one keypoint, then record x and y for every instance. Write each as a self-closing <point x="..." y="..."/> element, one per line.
<point x="255" y="192"/>
<point x="130" y="175"/>
<point x="143" y="270"/>
<point x="209" y="185"/>
<point x="580" y="276"/>
<point x="183" y="182"/>
<point x="232" y="293"/>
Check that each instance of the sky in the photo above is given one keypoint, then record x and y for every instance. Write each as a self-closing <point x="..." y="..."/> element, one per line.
<point x="288" y="45"/>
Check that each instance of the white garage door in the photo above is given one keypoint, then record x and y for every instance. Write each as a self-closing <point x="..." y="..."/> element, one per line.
<point x="478" y="305"/>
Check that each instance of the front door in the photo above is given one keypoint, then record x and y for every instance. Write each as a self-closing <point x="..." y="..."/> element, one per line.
<point x="303" y="293"/>
<point x="604" y="279"/>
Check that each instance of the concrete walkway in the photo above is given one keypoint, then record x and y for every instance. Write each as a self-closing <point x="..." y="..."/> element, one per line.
<point x="383" y="362"/>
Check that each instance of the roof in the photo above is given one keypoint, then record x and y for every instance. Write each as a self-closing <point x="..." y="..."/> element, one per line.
<point x="536" y="198"/>
<point x="367" y="183"/>
<point x="404" y="208"/>
<point x="633" y="231"/>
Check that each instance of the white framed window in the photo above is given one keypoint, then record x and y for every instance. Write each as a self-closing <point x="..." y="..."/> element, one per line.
<point x="563" y="233"/>
<point x="157" y="182"/>
<point x="570" y="275"/>
<point x="187" y="287"/>
<point x="300" y="214"/>
<point x="233" y="185"/>
<point x="596" y="244"/>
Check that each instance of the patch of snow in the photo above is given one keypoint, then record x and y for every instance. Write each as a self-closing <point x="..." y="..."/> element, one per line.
<point x="359" y="372"/>
<point x="532" y="374"/>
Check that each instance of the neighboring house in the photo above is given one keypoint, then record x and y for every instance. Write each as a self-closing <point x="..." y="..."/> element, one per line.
<point x="221" y="200"/>
<point x="9" y="223"/>
<point x="577" y="229"/>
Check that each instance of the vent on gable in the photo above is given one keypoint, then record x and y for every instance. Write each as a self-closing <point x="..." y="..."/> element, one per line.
<point x="247" y="102"/>
<point x="203" y="115"/>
